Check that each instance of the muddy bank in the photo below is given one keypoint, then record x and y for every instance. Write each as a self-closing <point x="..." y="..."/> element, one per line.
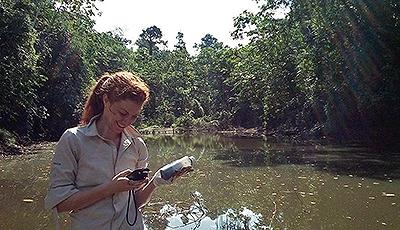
<point x="14" y="146"/>
<point x="10" y="150"/>
<point x="253" y="132"/>
<point x="285" y="135"/>
<point x="31" y="148"/>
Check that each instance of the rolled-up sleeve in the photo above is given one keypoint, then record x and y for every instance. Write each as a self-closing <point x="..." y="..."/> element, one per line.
<point x="63" y="171"/>
<point x="143" y="155"/>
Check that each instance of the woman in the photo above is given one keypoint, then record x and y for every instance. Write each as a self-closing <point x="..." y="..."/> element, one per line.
<point x="91" y="162"/>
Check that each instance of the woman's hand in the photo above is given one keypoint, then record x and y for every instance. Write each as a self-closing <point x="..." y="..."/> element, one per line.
<point x="82" y="199"/>
<point x="181" y="173"/>
<point x="158" y="180"/>
<point x="121" y="183"/>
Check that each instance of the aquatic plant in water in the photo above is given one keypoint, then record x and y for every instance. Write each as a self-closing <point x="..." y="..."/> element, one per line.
<point x="194" y="217"/>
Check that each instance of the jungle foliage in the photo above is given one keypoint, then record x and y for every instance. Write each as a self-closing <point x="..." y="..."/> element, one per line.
<point x="328" y="68"/>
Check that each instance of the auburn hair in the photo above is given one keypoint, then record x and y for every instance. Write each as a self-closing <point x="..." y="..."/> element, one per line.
<point x="117" y="86"/>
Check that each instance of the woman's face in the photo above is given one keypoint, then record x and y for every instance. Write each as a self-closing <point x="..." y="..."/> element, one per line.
<point x="120" y="114"/>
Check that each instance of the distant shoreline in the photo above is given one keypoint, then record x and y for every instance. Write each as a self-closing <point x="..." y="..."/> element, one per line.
<point x="289" y="136"/>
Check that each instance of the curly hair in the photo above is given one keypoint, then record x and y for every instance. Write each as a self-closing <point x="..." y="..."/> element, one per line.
<point x="117" y="86"/>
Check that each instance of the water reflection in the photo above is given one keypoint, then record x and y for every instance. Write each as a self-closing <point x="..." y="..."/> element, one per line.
<point x="231" y="219"/>
<point x="182" y="217"/>
<point x="256" y="152"/>
<point x="194" y="215"/>
<point x="363" y="162"/>
<point x="281" y="185"/>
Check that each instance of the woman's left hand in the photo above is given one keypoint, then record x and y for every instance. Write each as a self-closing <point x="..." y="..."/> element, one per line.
<point x="181" y="173"/>
<point x="158" y="180"/>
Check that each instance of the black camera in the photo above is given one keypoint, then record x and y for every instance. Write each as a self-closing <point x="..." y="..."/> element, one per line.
<point x="139" y="174"/>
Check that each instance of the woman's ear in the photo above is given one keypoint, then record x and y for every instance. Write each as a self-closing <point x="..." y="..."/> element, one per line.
<point x="106" y="100"/>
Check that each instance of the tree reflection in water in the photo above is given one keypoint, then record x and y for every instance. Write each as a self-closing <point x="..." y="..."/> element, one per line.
<point x="194" y="216"/>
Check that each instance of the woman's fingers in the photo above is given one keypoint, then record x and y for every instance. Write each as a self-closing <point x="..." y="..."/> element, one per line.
<point x="121" y="182"/>
<point x="124" y="173"/>
<point x="182" y="172"/>
<point x="187" y="169"/>
<point x="137" y="184"/>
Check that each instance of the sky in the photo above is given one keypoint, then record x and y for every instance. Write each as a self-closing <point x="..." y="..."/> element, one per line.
<point x="194" y="18"/>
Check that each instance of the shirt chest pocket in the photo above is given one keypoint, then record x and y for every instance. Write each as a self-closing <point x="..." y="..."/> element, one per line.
<point x="95" y="169"/>
<point x="128" y="159"/>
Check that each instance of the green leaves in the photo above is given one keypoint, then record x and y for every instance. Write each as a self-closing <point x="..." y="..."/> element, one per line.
<point x="150" y="39"/>
<point x="325" y="56"/>
<point x="326" y="66"/>
<point x="18" y="70"/>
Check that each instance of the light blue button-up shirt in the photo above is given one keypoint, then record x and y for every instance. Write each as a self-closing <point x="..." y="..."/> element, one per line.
<point x="82" y="160"/>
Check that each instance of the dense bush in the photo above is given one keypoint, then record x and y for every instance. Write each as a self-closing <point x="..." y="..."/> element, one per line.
<point x="326" y="68"/>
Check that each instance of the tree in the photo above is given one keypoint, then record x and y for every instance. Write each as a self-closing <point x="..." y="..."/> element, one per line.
<point x="209" y="41"/>
<point x="329" y="59"/>
<point x="18" y="68"/>
<point x="181" y="44"/>
<point x="150" y="38"/>
<point x="213" y="66"/>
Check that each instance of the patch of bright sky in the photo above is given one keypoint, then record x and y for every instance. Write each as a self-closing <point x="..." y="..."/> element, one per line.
<point x="194" y="18"/>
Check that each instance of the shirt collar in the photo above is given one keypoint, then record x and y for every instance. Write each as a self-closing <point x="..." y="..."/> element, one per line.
<point x="127" y="136"/>
<point x="91" y="129"/>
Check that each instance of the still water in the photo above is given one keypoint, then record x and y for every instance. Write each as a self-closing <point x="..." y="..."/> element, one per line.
<point x="238" y="183"/>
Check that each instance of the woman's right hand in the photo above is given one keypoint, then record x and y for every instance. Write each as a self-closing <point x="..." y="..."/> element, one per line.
<point x="121" y="183"/>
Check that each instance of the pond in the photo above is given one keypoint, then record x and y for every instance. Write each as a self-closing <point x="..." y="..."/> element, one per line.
<point x="238" y="183"/>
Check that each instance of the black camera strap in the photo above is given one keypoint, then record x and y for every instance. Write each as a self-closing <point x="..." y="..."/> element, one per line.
<point x="131" y="194"/>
